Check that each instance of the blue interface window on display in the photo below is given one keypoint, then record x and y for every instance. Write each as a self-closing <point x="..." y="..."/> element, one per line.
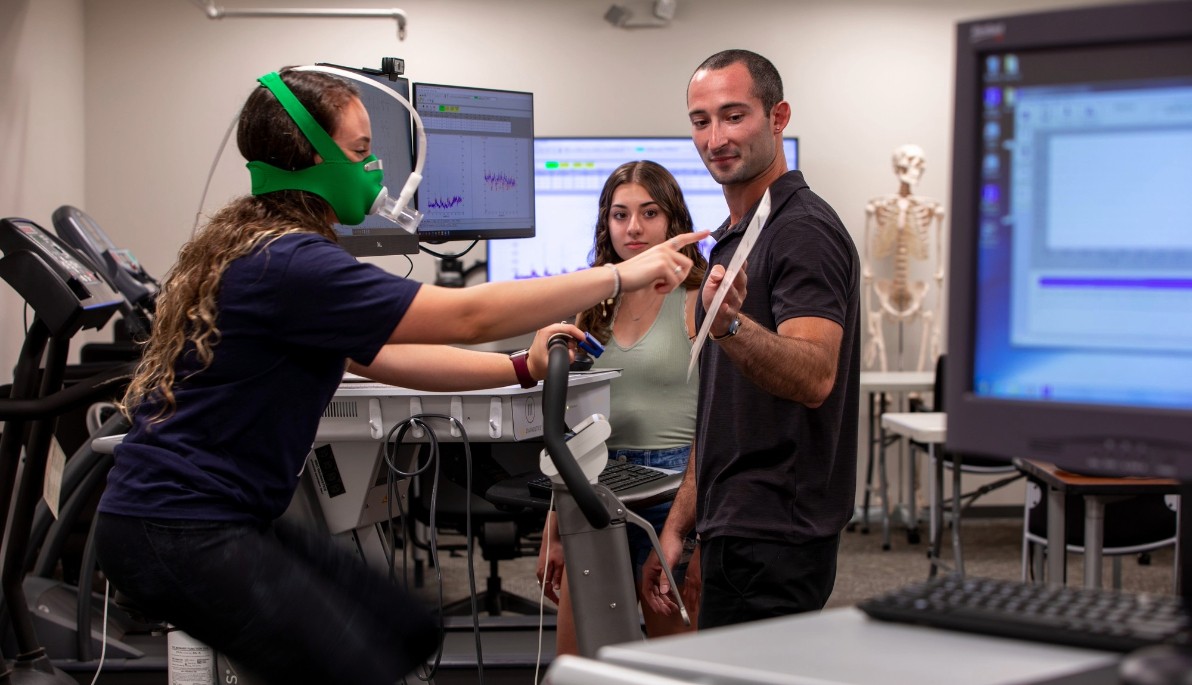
<point x="1071" y="309"/>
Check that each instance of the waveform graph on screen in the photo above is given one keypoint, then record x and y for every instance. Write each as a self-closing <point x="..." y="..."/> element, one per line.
<point x="498" y="181"/>
<point x="502" y="173"/>
<point x="445" y="203"/>
<point x="445" y="197"/>
<point x="476" y="177"/>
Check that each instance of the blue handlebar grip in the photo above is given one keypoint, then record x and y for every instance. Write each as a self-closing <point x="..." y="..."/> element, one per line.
<point x="591" y="345"/>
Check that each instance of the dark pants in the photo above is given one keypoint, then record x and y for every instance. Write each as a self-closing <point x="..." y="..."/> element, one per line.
<point x="285" y="603"/>
<point x="748" y="580"/>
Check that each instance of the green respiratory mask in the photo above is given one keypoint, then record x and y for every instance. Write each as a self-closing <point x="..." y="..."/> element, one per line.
<point x="353" y="189"/>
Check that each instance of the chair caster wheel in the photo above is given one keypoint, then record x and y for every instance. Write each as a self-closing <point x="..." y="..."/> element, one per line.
<point x="912" y="537"/>
<point x="885" y="547"/>
<point x="864" y="530"/>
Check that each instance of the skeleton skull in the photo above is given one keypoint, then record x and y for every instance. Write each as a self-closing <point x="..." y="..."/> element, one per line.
<point x="909" y="163"/>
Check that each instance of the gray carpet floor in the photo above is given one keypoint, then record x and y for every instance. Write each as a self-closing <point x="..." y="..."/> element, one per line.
<point x="992" y="548"/>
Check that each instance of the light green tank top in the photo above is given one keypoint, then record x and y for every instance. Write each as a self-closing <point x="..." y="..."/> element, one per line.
<point x="652" y="403"/>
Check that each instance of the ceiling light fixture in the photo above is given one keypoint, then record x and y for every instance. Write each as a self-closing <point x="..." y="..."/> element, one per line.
<point x="621" y="16"/>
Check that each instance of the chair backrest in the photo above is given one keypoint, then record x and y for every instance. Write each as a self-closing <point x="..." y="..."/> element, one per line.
<point x="455" y="501"/>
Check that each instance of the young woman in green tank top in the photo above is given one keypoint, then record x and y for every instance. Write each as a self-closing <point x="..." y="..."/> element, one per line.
<point x="647" y="335"/>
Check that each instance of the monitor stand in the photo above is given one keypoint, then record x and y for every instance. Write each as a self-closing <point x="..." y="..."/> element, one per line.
<point x="1169" y="664"/>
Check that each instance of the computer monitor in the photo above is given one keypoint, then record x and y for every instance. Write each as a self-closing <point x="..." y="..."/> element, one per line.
<point x="1070" y="311"/>
<point x="569" y="174"/>
<point x="478" y="183"/>
<point x="391" y="136"/>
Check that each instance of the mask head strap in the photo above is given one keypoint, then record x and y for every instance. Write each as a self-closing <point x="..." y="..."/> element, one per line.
<point x="351" y="188"/>
<point x="327" y="148"/>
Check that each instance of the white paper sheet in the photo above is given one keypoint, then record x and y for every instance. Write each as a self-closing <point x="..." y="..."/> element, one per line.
<point x="734" y="266"/>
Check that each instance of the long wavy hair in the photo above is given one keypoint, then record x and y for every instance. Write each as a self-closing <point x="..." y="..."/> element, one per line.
<point x="187" y="304"/>
<point x="663" y="189"/>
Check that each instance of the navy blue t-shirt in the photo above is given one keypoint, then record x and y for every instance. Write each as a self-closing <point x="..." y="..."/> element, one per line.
<point x="290" y="315"/>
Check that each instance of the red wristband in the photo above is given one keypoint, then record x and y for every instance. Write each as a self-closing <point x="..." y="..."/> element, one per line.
<point x="521" y="366"/>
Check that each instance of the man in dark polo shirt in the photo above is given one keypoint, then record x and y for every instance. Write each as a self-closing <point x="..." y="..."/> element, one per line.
<point x="774" y="480"/>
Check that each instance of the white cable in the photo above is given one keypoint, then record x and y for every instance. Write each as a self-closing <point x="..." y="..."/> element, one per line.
<point x="103" y="650"/>
<point x="407" y="191"/>
<point x="211" y="173"/>
<point x="542" y="588"/>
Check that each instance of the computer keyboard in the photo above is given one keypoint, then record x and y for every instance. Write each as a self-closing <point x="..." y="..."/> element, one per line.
<point x="617" y="476"/>
<point x="1094" y="619"/>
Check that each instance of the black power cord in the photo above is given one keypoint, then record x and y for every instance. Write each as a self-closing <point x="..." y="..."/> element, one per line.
<point x="391" y="444"/>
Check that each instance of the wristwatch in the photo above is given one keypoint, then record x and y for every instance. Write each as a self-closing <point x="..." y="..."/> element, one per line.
<point x="733" y="328"/>
<point x="521" y="366"/>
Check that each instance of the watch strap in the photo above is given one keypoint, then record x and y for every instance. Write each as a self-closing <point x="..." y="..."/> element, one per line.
<point x="521" y="367"/>
<point x="733" y="328"/>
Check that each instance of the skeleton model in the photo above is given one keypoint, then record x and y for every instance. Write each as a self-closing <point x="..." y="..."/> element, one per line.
<point x="899" y="227"/>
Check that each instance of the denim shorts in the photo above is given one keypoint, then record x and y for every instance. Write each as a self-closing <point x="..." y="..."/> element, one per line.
<point x="675" y="459"/>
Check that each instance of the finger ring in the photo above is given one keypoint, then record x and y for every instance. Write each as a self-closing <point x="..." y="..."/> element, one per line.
<point x="678" y="269"/>
<point x="674" y="243"/>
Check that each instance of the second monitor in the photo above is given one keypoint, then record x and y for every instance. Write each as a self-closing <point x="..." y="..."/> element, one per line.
<point x="478" y="182"/>
<point x="568" y="176"/>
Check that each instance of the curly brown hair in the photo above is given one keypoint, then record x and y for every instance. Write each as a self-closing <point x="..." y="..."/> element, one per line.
<point x="187" y="306"/>
<point x="663" y="189"/>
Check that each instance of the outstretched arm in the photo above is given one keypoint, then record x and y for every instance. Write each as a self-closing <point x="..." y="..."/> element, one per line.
<point x="441" y="368"/>
<point x="493" y="311"/>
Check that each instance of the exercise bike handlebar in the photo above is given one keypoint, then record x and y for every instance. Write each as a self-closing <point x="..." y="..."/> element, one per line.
<point x="82" y="393"/>
<point x="554" y="405"/>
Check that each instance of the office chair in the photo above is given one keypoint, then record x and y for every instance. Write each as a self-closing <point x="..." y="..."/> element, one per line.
<point x="959" y="464"/>
<point x="502" y="532"/>
<point x="1135" y="524"/>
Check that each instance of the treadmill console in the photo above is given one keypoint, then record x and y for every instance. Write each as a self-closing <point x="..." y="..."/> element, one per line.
<point x="66" y="293"/>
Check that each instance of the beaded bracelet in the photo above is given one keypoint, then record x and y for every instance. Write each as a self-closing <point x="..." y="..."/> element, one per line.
<point x="616" y="281"/>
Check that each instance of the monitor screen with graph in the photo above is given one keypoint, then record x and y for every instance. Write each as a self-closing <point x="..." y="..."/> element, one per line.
<point x="478" y="182"/>
<point x="1070" y="303"/>
<point x="568" y="176"/>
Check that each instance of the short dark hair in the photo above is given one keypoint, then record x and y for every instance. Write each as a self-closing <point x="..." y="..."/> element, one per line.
<point x="767" y="83"/>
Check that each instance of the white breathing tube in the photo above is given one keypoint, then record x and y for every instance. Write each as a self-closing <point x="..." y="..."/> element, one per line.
<point x="407" y="191"/>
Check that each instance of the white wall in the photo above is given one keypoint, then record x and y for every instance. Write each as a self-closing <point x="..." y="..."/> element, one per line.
<point x="41" y="128"/>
